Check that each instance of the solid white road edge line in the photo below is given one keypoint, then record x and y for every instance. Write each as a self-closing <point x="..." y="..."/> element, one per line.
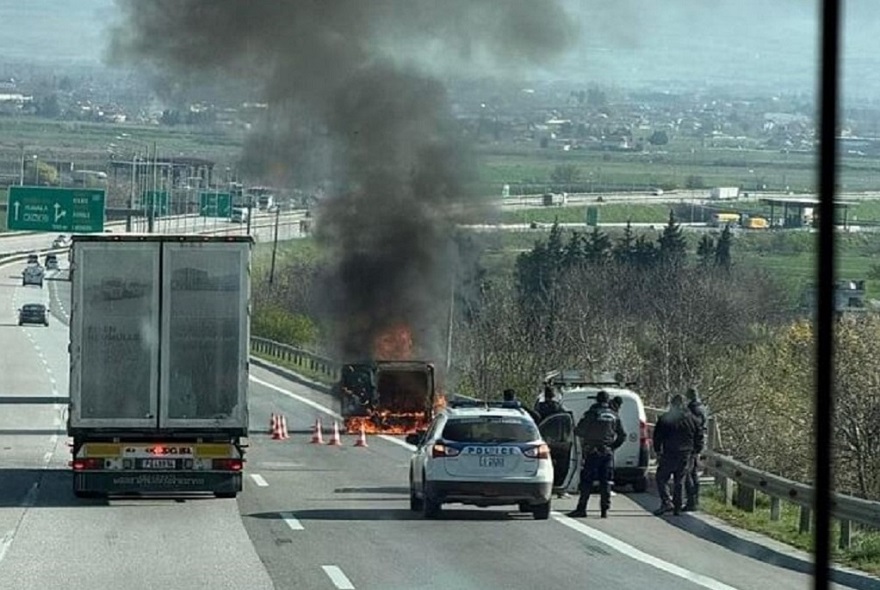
<point x="630" y="551"/>
<point x="339" y="579"/>
<point x="292" y="522"/>
<point x="614" y="543"/>
<point x="258" y="479"/>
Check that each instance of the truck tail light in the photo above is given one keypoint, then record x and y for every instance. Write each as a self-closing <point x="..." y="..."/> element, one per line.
<point x="441" y="450"/>
<point x="644" y="438"/>
<point x="87" y="464"/>
<point x="542" y="451"/>
<point x="227" y="464"/>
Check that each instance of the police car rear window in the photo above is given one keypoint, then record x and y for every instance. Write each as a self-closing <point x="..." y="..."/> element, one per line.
<point x="490" y="429"/>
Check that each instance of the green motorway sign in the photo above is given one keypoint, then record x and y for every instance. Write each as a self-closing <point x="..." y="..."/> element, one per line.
<point x="155" y="201"/>
<point x="38" y="208"/>
<point x="593" y="216"/>
<point x="215" y="204"/>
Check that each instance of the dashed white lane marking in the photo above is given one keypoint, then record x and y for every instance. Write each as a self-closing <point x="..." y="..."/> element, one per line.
<point x="54" y="438"/>
<point x="292" y="522"/>
<point x="47" y="456"/>
<point x="630" y="551"/>
<point x="258" y="479"/>
<point x="5" y="542"/>
<point x="339" y="579"/>
<point x="31" y="497"/>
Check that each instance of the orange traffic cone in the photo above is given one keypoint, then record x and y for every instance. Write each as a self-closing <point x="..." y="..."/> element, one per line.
<point x="282" y="428"/>
<point x="335" y="440"/>
<point x="276" y="428"/>
<point x="318" y="436"/>
<point x="362" y="438"/>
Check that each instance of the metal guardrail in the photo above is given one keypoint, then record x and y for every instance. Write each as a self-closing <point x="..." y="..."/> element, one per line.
<point x="749" y="480"/>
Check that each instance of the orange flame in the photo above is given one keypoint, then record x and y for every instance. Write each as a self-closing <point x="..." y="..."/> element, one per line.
<point x="395" y="343"/>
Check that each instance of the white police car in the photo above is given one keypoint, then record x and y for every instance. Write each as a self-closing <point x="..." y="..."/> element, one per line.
<point x="482" y="454"/>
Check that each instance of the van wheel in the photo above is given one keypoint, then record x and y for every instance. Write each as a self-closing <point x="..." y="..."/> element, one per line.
<point x="541" y="511"/>
<point x="640" y="486"/>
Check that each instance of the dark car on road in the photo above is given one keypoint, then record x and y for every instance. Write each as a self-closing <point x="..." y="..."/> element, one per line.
<point x="33" y="313"/>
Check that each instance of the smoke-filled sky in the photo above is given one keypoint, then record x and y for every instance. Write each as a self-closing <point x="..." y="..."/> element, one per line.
<point x="389" y="156"/>
<point x="770" y="45"/>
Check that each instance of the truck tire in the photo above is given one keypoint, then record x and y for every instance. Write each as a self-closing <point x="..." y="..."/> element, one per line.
<point x="87" y="494"/>
<point x="541" y="511"/>
<point x="225" y="494"/>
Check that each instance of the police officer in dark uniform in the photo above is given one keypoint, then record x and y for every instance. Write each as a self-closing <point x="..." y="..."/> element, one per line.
<point x="601" y="433"/>
<point x="677" y="438"/>
<point x="549" y="405"/>
<point x="692" y="478"/>
<point x="509" y="395"/>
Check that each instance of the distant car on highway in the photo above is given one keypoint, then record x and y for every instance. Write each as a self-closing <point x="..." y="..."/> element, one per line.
<point x="33" y="313"/>
<point x="51" y="262"/>
<point x="33" y="259"/>
<point x="62" y="241"/>
<point x="32" y="275"/>
<point x="483" y="454"/>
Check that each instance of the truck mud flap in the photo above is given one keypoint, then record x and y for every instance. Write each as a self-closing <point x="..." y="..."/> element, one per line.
<point x="146" y="482"/>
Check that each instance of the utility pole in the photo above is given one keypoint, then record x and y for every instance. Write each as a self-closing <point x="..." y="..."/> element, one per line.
<point x="21" y="171"/>
<point x="274" y="244"/>
<point x="451" y="322"/>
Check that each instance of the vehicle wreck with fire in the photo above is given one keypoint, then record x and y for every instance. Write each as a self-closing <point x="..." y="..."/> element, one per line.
<point x="388" y="396"/>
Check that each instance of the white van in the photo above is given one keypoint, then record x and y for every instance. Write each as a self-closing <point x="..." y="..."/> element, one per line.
<point x="630" y="460"/>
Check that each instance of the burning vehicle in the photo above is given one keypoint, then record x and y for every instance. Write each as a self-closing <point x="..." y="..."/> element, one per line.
<point x="392" y="397"/>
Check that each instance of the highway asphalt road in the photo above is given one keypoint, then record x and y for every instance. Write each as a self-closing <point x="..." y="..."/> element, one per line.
<point x="263" y="223"/>
<point x="311" y="516"/>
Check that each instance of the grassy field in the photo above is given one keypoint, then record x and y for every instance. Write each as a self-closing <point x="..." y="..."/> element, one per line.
<point x="863" y="554"/>
<point x="671" y="167"/>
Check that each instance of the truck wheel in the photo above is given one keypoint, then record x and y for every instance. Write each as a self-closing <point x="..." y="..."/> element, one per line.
<point x="226" y="494"/>
<point x="640" y="486"/>
<point x="541" y="511"/>
<point x="87" y="494"/>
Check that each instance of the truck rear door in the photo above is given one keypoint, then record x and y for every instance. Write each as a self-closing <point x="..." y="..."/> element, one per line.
<point x="205" y="303"/>
<point x="114" y="326"/>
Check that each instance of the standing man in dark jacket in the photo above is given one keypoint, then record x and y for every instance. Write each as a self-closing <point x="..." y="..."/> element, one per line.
<point x="677" y="437"/>
<point x="692" y="479"/>
<point x="549" y="405"/>
<point x="601" y="433"/>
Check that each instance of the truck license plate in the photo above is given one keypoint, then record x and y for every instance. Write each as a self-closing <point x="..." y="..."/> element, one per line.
<point x="158" y="464"/>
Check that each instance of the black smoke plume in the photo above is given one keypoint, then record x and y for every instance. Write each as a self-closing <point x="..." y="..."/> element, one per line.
<point x="356" y="109"/>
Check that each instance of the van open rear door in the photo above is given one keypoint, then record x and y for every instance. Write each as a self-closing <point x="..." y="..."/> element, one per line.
<point x="558" y="432"/>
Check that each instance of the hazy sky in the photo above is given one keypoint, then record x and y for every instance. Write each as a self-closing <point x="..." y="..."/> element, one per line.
<point x="769" y="44"/>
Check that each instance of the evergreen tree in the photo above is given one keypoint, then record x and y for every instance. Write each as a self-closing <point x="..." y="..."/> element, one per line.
<point x="574" y="254"/>
<point x="706" y="251"/>
<point x="644" y="254"/>
<point x="598" y="247"/>
<point x="722" y="249"/>
<point x="672" y="245"/>
<point x="625" y="248"/>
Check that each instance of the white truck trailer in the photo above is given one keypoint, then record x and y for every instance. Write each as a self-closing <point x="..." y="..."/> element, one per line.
<point x="159" y="342"/>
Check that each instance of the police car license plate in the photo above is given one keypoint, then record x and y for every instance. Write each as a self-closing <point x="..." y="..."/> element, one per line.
<point x="491" y="462"/>
<point x="158" y="464"/>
